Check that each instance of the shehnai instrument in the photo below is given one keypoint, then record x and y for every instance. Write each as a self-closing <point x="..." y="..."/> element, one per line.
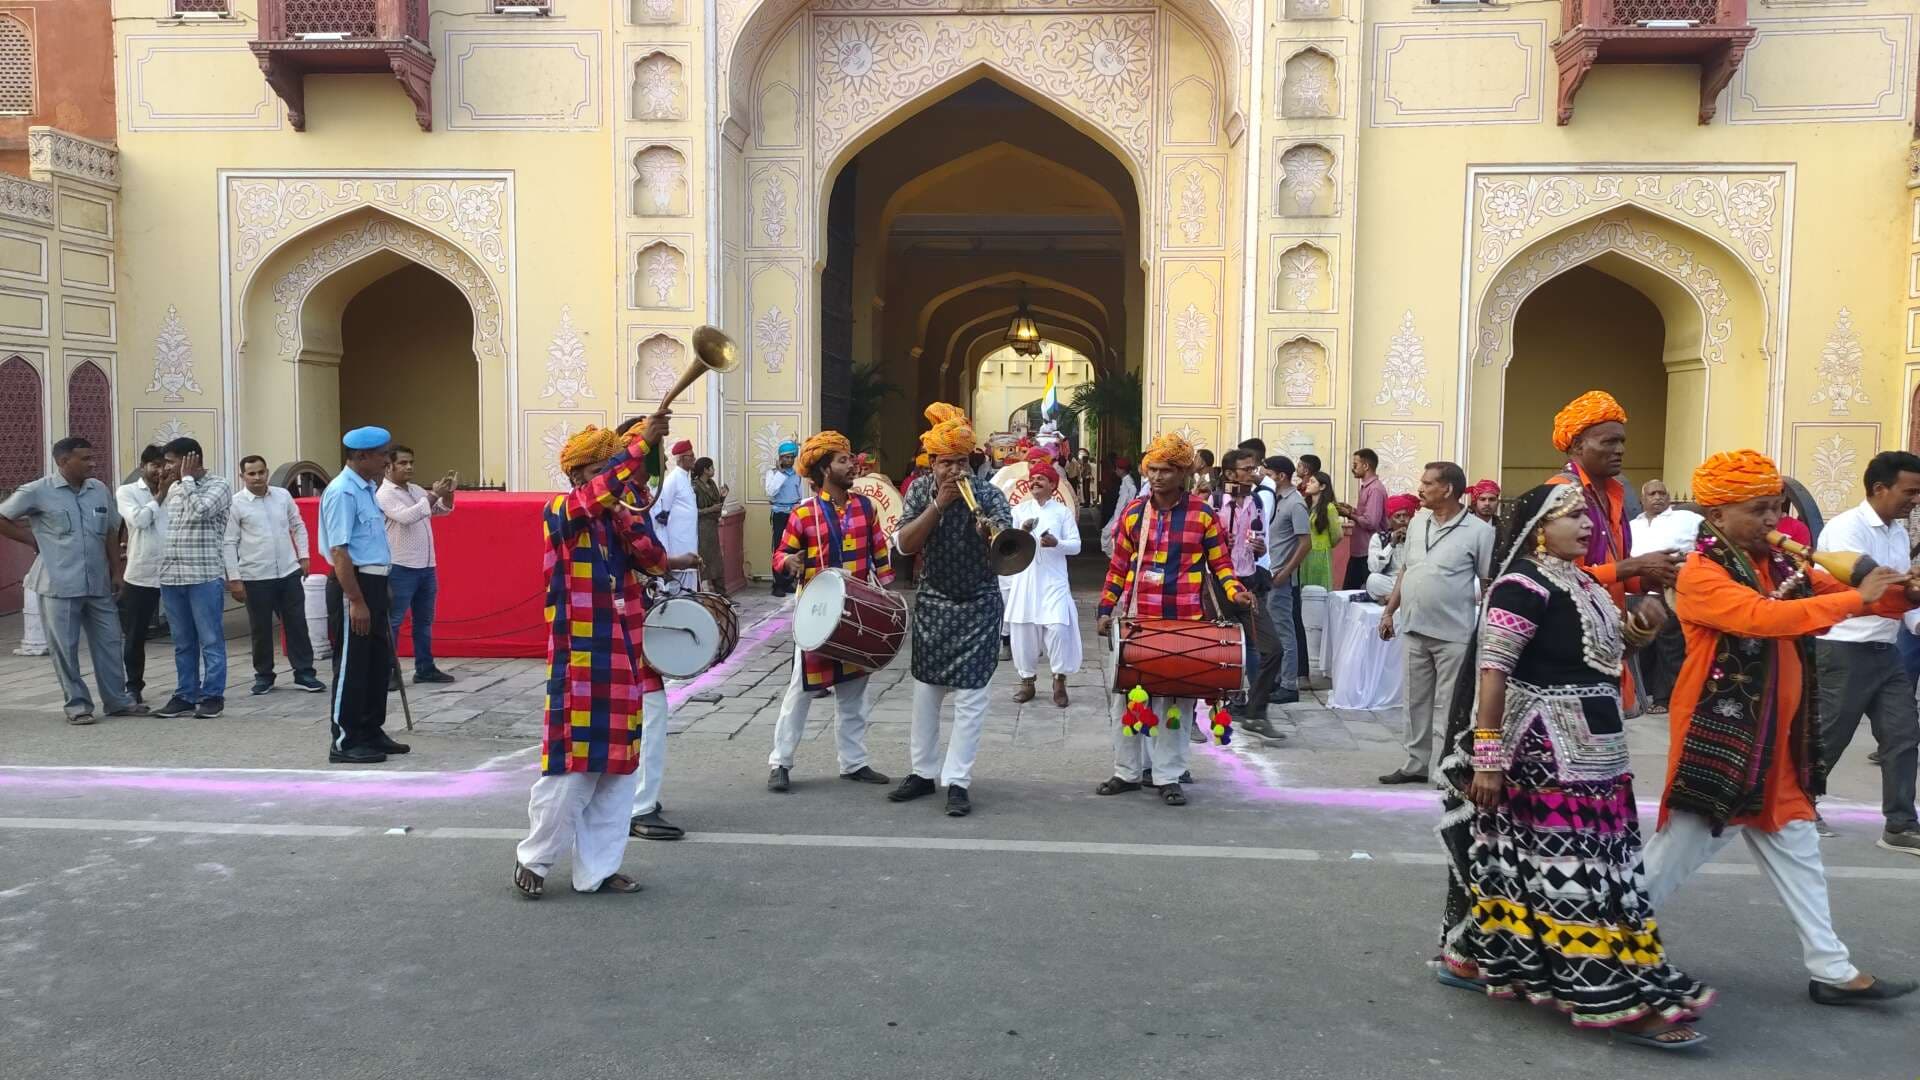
<point x="1851" y="567"/>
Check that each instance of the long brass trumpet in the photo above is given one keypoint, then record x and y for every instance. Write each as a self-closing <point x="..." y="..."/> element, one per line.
<point x="1009" y="551"/>
<point x="1849" y="566"/>
<point x="713" y="350"/>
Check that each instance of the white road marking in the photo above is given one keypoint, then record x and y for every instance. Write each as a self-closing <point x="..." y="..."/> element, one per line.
<point x="886" y="843"/>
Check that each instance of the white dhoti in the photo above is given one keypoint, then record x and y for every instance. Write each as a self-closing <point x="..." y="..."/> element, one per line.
<point x="1058" y="643"/>
<point x="1790" y="859"/>
<point x="850" y="709"/>
<point x="33" y="633"/>
<point x="655" y="718"/>
<point x="586" y="812"/>
<point x="1165" y="751"/>
<point x="969" y="715"/>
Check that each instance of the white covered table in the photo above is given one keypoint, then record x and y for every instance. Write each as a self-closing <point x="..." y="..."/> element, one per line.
<point x="1367" y="673"/>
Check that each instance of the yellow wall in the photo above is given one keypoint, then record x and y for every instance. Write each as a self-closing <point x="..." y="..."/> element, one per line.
<point x="1777" y="242"/>
<point x="408" y="366"/>
<point x="1584" y="331"/>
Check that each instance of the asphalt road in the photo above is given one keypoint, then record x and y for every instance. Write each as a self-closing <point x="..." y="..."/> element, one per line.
<point x="161" y="917"/>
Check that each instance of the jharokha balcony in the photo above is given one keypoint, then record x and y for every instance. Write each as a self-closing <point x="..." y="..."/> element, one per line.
<point x="345" y="37"/>
<point x="1711" y="33"/>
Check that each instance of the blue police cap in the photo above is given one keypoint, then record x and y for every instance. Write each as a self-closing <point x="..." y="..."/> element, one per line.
<point x="366" y="438"/>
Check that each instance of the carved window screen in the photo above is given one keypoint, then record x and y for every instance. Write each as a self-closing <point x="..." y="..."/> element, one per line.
<point x="90" y="412"/>
<point x="16" y="67"/>
<point x="22" y="439"/>
<point x="191" y="8"/>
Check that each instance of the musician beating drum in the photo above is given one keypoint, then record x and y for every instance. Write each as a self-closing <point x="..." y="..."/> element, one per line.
<point x="1164" y="544"/>
<point x="956" y="614"/>
<point x="837" y="533"/>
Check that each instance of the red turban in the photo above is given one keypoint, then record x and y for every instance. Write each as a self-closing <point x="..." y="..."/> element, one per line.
<point x="1484" y="487"/>
<point x="1044" y="468"/>
<point x="684" y="446"/>
<point x="1402" y="504"/>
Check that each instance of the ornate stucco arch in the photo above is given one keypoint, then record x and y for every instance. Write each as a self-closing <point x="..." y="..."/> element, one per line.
<point x="1718" y="351"/>
<point x="296" y="247"/>
<point x="748" y="27"/>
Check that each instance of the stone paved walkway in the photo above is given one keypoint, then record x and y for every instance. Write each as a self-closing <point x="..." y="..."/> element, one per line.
<point x="739" y="700"/>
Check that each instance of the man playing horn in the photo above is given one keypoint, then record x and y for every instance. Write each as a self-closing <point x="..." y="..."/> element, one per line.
<point x="834" y="528"/>
<point x="956" y="613"/>
<point x="1746" y="762"/>
<point x="599" y="686"/>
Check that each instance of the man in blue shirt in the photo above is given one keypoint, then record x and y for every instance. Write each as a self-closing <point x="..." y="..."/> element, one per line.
<point x="784" y="491"/>
<point x="353" y="533"/>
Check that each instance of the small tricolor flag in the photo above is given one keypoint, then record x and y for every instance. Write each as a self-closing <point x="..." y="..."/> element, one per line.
<point x="1049" y="399"/>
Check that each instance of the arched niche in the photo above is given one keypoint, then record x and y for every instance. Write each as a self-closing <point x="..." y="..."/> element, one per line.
<point x="659" y="87"/>
<point x="1310" y="85"/>
<point x="1309" y="183"/>
<point x="1300" y="373"/>
<point x="659" y="187"/>
<point x="1303" y="278"/>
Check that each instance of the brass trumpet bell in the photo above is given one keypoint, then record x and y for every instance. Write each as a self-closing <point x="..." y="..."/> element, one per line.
<point x="1009" y="551"/>
<point x="1849" y="566"/>
<point x="715" y="350"/>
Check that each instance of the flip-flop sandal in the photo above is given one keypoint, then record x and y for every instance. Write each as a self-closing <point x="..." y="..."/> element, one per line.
<point x="619" y="883"/>
<point x="80" y="721"/>
<point x="529" y="884"/>
<point x="1656" y="1040"/>
<point x="1172" y="795"/>
<point x="1459" y="982"/>
<point x="1116" y="786"/>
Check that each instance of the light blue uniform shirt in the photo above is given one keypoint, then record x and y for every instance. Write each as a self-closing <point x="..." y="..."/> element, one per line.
<point x="351" y="518"/>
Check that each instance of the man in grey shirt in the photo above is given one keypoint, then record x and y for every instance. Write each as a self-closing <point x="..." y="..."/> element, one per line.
<point x="1435" y="602"/>
<point x="1287" y="548"/>
<point x="71" y="520"/>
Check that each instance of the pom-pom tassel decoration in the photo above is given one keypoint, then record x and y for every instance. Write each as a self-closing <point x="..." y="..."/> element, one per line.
<point x="1138" y="716"/>
<point x="1222" y="724"/>
<point x="1173" y="718"/>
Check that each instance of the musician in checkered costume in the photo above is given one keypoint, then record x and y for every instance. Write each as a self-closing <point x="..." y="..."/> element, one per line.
<point x="835" y="528"/>
<point x="599" y="688"/>
<point x="1175" y="540"/>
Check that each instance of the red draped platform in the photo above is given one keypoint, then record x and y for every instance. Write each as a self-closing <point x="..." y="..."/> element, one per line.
<point x="492" y="590"/>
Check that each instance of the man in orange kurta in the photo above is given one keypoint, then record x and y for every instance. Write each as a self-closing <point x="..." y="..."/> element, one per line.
<point x="1592" y="432"/>
<point x="1745" y="758"/>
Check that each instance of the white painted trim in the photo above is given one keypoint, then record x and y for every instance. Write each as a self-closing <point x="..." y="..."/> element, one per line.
<point x="1252" y="203"/>
<point x="713" y="143"/>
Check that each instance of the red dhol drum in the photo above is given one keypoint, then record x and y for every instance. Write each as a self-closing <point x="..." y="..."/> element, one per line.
<point x="1181" y="658"/>
<point x="849" y="620"/>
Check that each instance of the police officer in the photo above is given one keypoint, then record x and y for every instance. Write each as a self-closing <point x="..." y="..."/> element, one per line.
<point x="353" y="532"/>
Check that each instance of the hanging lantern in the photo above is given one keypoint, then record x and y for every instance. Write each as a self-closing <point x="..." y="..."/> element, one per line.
<point x="1023" y="335"/>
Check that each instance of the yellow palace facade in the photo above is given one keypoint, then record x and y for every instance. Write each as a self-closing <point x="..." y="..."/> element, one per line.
<point x="1418" y="227"/>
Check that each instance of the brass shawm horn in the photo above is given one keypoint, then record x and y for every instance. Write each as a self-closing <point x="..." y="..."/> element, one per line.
<point x="1008" y="550"/>
<point x="1849" y="566"/>
<point x="713" y="350"/>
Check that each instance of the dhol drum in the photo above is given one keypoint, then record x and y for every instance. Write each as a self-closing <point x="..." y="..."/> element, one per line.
<point x="686" y="633"/>
<point x="852" y="621"/>
<point x="1181" y="658"/>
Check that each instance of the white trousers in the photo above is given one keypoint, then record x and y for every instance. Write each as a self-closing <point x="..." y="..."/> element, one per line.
<point x="850" y="709"/>
<point x="1165" y="751"/>
<point x="969" y="715"/>
<point x="586" y="812"/>
<point x="1059" y="643"/>
<point x="655" y="719"/>
<point x="1790" y="859"/>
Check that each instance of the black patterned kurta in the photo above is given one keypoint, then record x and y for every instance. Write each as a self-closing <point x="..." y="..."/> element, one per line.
<point x="956" y="613"/>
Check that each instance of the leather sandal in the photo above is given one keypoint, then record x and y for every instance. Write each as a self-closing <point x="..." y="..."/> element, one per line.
<point x="1116" y="786"/>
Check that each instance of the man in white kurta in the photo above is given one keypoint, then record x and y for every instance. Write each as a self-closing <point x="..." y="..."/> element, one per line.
<point x="676" y="517"/>
<point x="1040" y="614"/>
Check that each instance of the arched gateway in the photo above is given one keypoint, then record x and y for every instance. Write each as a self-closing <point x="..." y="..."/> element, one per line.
<point x="899" y="178"/>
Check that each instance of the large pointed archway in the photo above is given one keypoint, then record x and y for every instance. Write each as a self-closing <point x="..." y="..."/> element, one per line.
<point x="320" y="347"/>
<point x="810" y="89"/>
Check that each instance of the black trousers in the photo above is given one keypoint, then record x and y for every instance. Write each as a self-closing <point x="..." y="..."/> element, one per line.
<point x="782" y="585"/>
<point x="286" y="598"/>
<point x="138" y="605"/>
<point x="1299" y="635"/>
<point x="1356" y="571"/>
<point x="362" y="663"/>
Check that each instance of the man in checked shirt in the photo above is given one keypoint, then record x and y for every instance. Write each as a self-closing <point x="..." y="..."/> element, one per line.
<point x="1175" y="540"/>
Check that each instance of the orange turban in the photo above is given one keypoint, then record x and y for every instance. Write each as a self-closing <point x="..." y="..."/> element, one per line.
<point x="951" y="434"/>
<point x="1590" y="408"/>
<point x="591" y="446"/>
<point x="1735" y="477"/>
<point x="1170" y="449"/>
<point x="921" y="460"/>
<point x="824" y="445"/>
